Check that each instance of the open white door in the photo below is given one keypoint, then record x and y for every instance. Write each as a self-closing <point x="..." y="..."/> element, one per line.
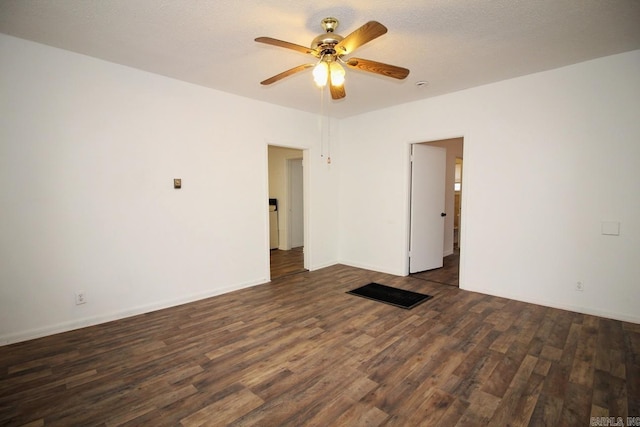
<point x="428" y="173"/>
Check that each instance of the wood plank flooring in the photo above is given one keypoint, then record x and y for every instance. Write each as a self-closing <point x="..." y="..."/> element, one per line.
<point x="300" y="351"/>
<point x="449" y="274"/>
<point x="284" y="263"/>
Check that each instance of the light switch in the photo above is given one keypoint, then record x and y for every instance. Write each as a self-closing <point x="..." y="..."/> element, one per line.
<point x="177" y="183"/>
<point x="611" y="228"/>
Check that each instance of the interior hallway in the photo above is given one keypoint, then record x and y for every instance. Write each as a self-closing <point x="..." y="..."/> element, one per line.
<point x="284" y="263"/>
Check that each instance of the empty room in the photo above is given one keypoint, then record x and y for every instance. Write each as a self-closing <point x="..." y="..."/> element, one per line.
<point x="219" y="213"/>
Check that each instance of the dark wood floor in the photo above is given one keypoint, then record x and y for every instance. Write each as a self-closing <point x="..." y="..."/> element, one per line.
<point x="284" y="263"/>
<point x="447" y="275"/>
<point x="300" y="351"/>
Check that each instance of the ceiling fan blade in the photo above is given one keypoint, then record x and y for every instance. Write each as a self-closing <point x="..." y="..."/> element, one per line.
<point x="337" y="92"/>
<point x="362" y="35"/>
<point x="292" y="46"/>
<point x="378" y="68"/>
<point x="284" y="74"/>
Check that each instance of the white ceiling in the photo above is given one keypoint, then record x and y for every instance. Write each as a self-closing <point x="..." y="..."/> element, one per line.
<point x="451" y="44"/>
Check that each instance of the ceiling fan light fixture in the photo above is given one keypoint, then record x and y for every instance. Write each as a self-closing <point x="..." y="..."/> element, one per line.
<point x="329" y="48"/>
<point x="336" y="73"/>
<point x="321" y="73"/>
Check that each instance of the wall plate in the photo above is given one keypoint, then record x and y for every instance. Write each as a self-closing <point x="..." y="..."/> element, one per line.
<point x="610" y="228"/>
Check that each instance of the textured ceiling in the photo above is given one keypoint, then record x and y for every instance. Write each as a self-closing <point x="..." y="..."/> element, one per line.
<point x="451" y="44"/>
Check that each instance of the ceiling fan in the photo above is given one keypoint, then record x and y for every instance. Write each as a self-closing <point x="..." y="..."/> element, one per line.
<point x="330" y="48"/>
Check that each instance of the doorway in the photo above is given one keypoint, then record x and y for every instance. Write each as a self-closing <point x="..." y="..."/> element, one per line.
<point x="451" y="241"/>
<point x="286" y="202"/>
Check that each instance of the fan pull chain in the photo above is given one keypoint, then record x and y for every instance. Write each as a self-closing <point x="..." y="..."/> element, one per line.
<point x="328" y="140"/>
<point x="327" y="119"/>
<point x="321" y="122"/>
<point x="325" y="127"/>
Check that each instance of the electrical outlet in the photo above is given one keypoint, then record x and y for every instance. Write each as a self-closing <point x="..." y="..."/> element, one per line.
<point x="81" y="297"/>
<point x="579" y="286"/>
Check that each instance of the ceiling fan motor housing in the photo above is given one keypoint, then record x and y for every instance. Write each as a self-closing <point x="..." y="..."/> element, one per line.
<point x="325" y="43"/>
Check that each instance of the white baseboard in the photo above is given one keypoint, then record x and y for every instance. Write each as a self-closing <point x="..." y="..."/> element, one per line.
<point x="322" y="265"/>
<point x="117" y="315"/>
<point x="371" y="267"/>
<point x="552" y="304"/>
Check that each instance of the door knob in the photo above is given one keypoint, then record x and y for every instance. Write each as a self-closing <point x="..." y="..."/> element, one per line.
<point x="443" y="214"/>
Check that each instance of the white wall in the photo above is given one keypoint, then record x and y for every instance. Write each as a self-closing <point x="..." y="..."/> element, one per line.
<point x="88" y="153"/>
<point x="547" y="158"/>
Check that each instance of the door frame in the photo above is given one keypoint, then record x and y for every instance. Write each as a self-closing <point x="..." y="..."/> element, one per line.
<point x="464" y="215"/>
<point x="306" y="196"/>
